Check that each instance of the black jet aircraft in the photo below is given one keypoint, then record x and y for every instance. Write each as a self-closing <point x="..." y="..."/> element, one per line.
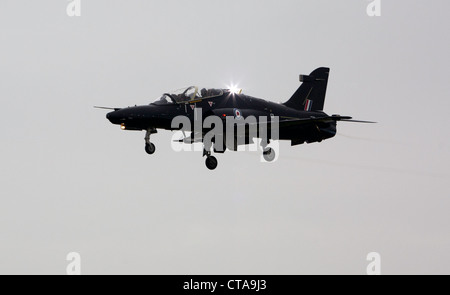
<point x="300" y="120"/>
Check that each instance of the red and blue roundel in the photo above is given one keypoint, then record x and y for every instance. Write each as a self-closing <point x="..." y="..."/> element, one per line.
<point x="237" y="114"/>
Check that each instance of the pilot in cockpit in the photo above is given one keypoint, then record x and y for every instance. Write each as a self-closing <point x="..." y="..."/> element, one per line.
<point x="204" y="92"/>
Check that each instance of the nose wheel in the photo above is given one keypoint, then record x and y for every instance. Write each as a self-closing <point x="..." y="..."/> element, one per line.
<point x="150" y="148"/>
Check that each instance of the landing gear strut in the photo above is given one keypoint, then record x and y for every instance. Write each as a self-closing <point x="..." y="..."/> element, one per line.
<point x="149" y="147"/>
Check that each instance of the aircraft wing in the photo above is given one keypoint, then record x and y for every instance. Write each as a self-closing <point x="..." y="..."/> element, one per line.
<point x="296" y="122"/>
<point x="286" y="122"/>
<point x="107" y="108"/>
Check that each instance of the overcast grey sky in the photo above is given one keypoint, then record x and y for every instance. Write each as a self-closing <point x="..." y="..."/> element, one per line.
<point x="71" y="181"/>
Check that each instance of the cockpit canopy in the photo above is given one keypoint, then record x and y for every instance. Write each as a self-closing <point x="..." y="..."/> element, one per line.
<point x="189" y="94"/>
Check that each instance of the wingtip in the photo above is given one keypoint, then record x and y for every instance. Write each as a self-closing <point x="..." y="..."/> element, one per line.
<point x="107" y="108"/>
<point x="359" y="121"/>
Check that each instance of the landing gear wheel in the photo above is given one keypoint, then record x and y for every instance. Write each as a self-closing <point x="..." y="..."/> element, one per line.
<point x="150" y="148"/>
<point x="211" y="162"/>
<point x="269" y="155"/>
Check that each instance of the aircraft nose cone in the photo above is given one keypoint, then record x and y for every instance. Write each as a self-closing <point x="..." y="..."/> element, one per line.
<point x="113" y="117"/>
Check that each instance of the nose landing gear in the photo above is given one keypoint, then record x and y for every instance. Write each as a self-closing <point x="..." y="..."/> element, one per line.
<point x="149" y="147"/>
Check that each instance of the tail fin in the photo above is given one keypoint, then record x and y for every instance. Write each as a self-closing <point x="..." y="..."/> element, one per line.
<point x="311" y="94"/>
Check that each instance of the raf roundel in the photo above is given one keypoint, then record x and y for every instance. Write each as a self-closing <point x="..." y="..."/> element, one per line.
<point x="237" y="114"/>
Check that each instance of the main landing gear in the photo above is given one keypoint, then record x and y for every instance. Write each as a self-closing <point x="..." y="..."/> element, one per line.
<point x="268" y="153"/>
<point x="211" y="161"/>
<point x="149" y="147"/>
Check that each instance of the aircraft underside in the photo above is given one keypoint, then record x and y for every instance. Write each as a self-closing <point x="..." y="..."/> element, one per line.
<point x="222" y="141"/>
